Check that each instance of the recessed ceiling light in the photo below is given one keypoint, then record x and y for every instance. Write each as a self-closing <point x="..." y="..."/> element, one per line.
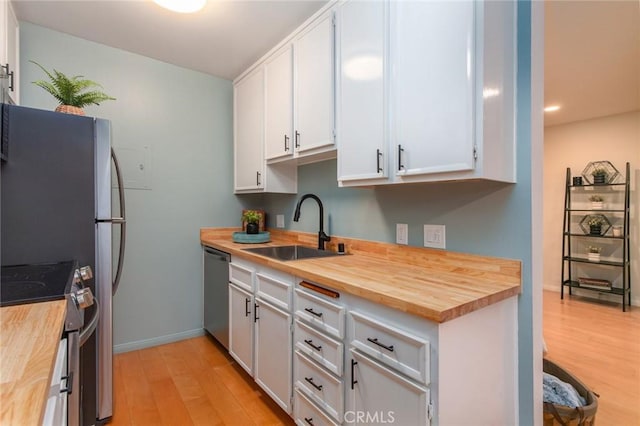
<point x="182" y="6"/>
<point x="552" y="108"/>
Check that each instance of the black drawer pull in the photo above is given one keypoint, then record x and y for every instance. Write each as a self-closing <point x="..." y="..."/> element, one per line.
<point x="247" y="312"/>
<point x="312" y="312"/>
<point x="375" y="342"/>
<point x="378" y="155"/>
<point x="286" y="143"/>
<point x="297" y="139"/>
<point x="69" y="388"/>
<point x="309" y="420"/>
<point x="400" y="151"/>
<point x="310" y="381"/>
<point x="255" y="312"/>
<point x="310" y="343"/>
<point x="353" y="373"/>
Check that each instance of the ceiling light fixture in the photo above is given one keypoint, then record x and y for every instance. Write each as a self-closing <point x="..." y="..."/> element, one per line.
<point x="182" y="6"/>
<point x="552" y="108"/>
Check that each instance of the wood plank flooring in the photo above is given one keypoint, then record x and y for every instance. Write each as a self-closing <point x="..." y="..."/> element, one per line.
<point x="194" y="382"/>
<point x="600" y="345"/>
<point x="191" y="382"/>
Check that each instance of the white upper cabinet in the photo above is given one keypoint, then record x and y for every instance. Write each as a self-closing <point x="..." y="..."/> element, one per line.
<point x="9" y="51"/>
<point x="279" y="104"/>
<point x="314" y="88"/>
<point x="448" y="83"/>
<point x="361" y="109"/>
<point x="249" y="132"/>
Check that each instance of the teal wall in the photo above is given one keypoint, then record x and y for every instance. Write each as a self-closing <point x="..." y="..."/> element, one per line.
<point x="186" y="119"/>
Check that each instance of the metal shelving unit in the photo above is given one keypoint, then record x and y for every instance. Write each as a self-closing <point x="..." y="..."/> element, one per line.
<point x="571" y="262"/>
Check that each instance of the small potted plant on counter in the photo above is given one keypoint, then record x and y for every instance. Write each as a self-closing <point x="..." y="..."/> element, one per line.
<point x="596" y="202"/>
<point x="252" y="219"/>
<point x="599" y="175"/>
<point x="593" y="253"/>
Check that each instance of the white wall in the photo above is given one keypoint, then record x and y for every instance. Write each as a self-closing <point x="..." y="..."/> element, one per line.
<point x="185" y="117"/>
<point x="616" y="139"/>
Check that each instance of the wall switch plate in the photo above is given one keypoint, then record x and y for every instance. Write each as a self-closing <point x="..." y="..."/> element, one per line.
<point x="402" y="233"/>
<point x="280" y="221"/>
<point x="434" y="236"/>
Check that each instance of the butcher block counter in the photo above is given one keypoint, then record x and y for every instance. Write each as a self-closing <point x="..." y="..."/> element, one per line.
<point x="438" y="285"/>
<point x="29" y="339"/>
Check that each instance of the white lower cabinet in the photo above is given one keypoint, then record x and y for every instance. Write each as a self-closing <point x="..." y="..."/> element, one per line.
<point x="307" y="414"/>
<point x="56" y="409"/>
<point x="241" y="308"/>
<point x="378" y="395"/>
<point x="273" y="352"/>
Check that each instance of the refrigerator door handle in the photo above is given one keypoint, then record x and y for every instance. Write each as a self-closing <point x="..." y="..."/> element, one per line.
<point x="122" y="221"/>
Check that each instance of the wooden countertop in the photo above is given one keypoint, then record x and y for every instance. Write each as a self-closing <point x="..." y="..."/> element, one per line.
<point x="438" y="285"/>
<point x="29" y="339"/>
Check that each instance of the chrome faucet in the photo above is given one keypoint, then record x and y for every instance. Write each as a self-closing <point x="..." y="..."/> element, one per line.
<point x="322" y="237"/>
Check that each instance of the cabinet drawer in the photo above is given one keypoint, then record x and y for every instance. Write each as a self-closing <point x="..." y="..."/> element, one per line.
<point x="322" y="314"/>
<point x="319" y="386"/>
<point x="398" y="349"/>
<point x="307" y="414"/>
<point x="241" y="276"/>
<point x="319" y="347"/>
<point x="276" y="290"/>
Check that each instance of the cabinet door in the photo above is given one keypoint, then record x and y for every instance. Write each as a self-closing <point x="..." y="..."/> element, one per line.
<point x="13" y="53"/>
<point x="314" y="86"/>
<point x="279" y="104"/>
<point x="432" y="52"/>
<point x="274" y="352"/>
<point x="241" y="317"/>
<point x="362" y="124"/>
<point x="380" y="395"/>
<point x="4" y="5"/>
<point x="249" y="132"/>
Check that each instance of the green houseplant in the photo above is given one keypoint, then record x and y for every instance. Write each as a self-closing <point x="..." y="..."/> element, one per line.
<point x="599" y="175"/>
<point x="596" y="201"/>
<point x="595" y="225"/>
<point x="252" y="218"/>
<point x="73" y="93"/>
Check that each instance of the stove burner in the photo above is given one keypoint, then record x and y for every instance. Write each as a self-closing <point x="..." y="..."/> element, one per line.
<point x="35" y="283"/>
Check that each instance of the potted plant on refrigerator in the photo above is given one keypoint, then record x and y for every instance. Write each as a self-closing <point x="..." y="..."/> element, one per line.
<point x="73" y="93"/>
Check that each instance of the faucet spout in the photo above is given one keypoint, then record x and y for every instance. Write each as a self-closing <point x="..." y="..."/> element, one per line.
<point x="322" y="237"/>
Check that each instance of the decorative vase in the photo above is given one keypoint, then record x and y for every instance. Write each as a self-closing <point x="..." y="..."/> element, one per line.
<point x="595" y="229"/>
<point x="594" y="257"/>
<point x="599" y="179"/>
<point x="68" y="109"/>
<point x="253" y="228"/>
<point x="597" y="205"/>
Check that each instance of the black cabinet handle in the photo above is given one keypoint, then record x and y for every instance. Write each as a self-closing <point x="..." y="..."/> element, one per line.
<point x="309" y="420"/>
<point x="375" y="342"/>
<point x="310" y="381"/>
<point x="378" y="155"/>
<point x="69" y="389"/>
<point x="258" y="175"/>
<point x="353" y="373"/>
<point x="297" y="139"/>
<point x="255" y="312"/>
<point x="400" y="151"/>
<point x="286" y="143"/>
<point x="310" y="343"/>
<point x="312" y="312"/>
<point x="247" y="312"/>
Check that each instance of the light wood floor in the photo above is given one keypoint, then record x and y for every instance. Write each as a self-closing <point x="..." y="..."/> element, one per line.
<point x="195" y="382"/>
<point x="600" y="345"/>
<point x="191" y="382"/>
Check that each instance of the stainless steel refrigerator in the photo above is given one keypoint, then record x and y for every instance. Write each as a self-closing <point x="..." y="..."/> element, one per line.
<point x="56" y="204"/>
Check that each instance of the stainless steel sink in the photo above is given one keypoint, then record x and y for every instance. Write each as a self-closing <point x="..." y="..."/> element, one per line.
<point x="291" y="252"/>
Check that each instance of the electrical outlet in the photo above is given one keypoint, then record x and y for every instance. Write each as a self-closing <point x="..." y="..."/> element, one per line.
<point x="402" y="233"/>
<point x="280" y="221"/>
<point x="434" y="236"/>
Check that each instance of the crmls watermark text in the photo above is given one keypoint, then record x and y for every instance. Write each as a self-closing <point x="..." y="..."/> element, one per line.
<point x="368" y="417"/>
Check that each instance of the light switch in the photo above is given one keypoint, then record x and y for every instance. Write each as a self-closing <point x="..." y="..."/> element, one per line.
<point x="434" y="236"/>
<point x="402" y="233"/>
<point x="280" y="221"/>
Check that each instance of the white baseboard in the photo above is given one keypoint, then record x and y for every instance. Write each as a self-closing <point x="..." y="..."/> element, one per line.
<point x="635" y="300"/>
<point x="155" y="341"/>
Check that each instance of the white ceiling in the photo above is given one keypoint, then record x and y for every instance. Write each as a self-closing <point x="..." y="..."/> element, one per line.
<point x="222" y="40"/>
<point x="592" y="58"/>
<point x="592" y="48"/>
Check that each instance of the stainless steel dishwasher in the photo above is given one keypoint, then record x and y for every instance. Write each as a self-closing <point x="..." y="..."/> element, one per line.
<point x="216" y="294"/>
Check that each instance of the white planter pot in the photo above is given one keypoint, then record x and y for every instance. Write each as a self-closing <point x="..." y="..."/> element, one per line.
<point x="594" y="257"/>
<point x="597" y="205"/>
